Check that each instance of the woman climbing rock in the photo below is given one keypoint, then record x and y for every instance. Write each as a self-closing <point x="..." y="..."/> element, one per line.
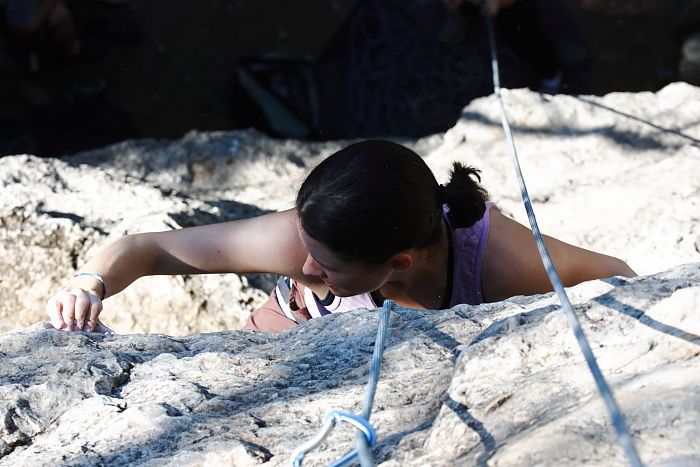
<point x="370" y="223"/>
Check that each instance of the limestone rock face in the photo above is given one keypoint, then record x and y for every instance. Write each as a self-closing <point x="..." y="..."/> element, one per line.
<point x="617" y="174"/>
<point x="55" y="214"/>
<point x="496" y="384"/>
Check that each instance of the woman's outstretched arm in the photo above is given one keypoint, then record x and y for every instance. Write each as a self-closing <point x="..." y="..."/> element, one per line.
<point x="268" y="243"/>
<point x="512" y="264"/>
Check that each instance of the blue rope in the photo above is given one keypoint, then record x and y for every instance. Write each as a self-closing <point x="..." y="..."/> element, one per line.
<point x="618" y="421"/>
<point x="366" y="436"/>
<point x="329" y="422"/>
<point x="377" y="357"/>
<point x="364" y="453"/>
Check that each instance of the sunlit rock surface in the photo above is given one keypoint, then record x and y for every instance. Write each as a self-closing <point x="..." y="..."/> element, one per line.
<point x="618" y="174"/>
<point x="498" y="384"/>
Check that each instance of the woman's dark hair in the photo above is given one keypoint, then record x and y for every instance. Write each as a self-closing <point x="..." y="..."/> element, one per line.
<point x="375" y="198"/>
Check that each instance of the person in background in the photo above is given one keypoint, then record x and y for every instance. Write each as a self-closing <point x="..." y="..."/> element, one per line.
<point x="544" y="34"/>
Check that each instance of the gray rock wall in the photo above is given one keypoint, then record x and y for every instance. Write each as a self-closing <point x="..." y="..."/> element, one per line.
<point x="617" y="174"/>
<point x="498" y="384"/>
<point x="54" y="214"/>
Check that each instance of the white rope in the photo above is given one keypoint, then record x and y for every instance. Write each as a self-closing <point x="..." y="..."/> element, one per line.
<point x="618" y="421"/>
<point x="329" y="422"/>
<point x="366" y="436"/>
<point x="361" y="446"/>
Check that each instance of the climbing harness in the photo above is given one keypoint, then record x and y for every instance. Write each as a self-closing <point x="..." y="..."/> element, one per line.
<point x="618" y="422"/>
<point x="367" y="435"/>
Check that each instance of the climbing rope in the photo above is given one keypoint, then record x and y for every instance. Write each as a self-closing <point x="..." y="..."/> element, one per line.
<point x="618" y="422"/>
<point x="367" y="432"/>
<point x="366" y="436"/>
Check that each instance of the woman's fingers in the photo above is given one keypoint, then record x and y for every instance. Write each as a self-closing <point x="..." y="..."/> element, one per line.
<point x="53" y="309"/>
<point x="74" y="310"/>
<point x="83" y="302"/>
<point x="95" y="310"/>
<point x="67" y="309"/>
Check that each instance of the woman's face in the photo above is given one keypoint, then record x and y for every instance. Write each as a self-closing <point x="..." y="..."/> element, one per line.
<point x="343" y="278"/>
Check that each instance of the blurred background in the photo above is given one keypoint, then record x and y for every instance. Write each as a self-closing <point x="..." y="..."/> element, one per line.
<point x="80" y="74"/>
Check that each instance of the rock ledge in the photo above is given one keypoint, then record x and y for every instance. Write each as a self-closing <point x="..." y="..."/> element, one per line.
<point x="501" y="383"/>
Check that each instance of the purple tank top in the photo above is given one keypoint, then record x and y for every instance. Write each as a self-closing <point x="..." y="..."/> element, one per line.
<point x="468" y="245"/>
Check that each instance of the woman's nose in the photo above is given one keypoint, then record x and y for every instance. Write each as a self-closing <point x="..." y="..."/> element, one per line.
<point x="312" y="268"/>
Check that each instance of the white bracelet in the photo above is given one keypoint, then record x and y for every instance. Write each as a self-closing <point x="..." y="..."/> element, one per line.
<point x="98" y="277"/>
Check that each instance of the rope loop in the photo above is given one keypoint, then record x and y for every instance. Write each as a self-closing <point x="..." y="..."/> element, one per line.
<point x="367" y="435"/>
<point x="329" y="422"/>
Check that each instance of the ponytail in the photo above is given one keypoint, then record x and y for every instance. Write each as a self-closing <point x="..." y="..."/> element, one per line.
<point x="464" y="195"/>
<point x="375" y="198"/>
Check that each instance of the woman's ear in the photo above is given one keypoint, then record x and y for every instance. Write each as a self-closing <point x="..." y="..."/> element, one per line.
<point x="401" y="261"/>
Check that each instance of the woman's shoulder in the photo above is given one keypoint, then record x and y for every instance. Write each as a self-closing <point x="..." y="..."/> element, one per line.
<point x="510" y="258"/>
<point x="512" y="263"/>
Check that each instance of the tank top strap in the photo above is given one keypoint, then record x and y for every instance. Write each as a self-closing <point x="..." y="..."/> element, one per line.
<point x="468" y="246"/>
